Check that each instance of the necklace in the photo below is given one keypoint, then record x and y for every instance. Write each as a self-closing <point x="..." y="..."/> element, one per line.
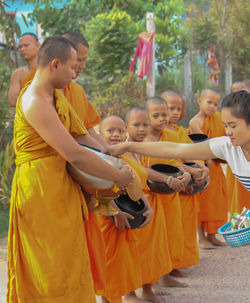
<point x="246" y="151"/>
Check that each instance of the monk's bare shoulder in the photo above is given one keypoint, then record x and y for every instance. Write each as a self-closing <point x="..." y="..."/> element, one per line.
<point x="20" y="73"/>
<point x="196" y="123"/>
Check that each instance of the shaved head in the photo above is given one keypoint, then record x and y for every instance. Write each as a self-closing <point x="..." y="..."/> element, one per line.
<point x="156" y="101"/>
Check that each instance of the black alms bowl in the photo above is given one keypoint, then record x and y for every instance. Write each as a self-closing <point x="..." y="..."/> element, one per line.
<point x="197" y="138"/>
<point x="168" y="170"/>
<point x="197" y="188"/>
<point x="134" y="208"/>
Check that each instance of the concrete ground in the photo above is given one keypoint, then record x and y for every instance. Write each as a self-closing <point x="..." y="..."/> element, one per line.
<point x="222" y="276"/>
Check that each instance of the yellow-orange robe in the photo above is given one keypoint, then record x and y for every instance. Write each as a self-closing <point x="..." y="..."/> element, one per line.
<point x="153" y="243"/>
<point x="123" y="273"/>
<point x="213" y="200"/>
<point x="171" y="205"/>
<point x="48" y="259"/>
<point x="28" y="77"/>
<point x="189" y="210"/>
<point x="96" y="246"/>
<point x="239" y="197"/>
<point x="85" y="110"/>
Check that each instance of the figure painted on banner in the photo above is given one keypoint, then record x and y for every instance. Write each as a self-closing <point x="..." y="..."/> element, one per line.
<point x="212" y="65"/>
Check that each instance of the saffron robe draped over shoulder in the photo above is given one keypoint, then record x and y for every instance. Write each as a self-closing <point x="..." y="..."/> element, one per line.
<point x="123" y="272"/>
<point x="79" y="101"/>
<point x="213" y="200"/>
<point x="171" y="205"/>
<point x="189" y="210"/>
<point x="28" y="77"/>
<point x="48" y="260"/>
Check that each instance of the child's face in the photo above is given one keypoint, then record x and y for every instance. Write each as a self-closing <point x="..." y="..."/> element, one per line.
<point x="113" y="131"/>
<point x="158" y="116"/>
<point x="236" y="129"/>
<point x="138" y="126"/>
<point x="174" y="109"/>
<point x="209" y="103"/>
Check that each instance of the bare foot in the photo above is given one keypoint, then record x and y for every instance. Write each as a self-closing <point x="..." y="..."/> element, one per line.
<point x="149" y="295"/>
<point x="178" y="273"/>
<point x="161" y="291"/>
<point x="168" y="281"/>
<point x="104" y="300"/>
<point x="205" y="244"/>
<point x="132" y="298"/>
<point x="212" y="239"/>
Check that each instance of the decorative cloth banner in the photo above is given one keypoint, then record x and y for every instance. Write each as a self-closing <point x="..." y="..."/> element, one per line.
<point x="144" y="51"/>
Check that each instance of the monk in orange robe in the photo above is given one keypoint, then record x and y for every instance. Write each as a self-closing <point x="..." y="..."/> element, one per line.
<point x="189" y="203"/>
<point x="123" y="274"/>
<point x="157" y="110"/>
<point x="213" y="201"/>
<point x="153" y="244"/>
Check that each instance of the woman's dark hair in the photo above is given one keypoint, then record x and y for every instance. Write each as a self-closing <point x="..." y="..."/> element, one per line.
<point x="239" y="104"/>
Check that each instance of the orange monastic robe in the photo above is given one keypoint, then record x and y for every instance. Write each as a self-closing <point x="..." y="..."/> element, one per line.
<point x="239" y="196"/>
<point x="122" y="255"/>
<point x="28" y="77"/>
<point x="48" y="259"/>
<point x="171" y="205"/>
<point x="96" y="246"/>
<point x="78" y="99"/>
<point x="189" y="209"/>
<point x="213" y="201"/>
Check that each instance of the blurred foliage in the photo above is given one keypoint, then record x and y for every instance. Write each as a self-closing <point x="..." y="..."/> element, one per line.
<point x="121" y="96"/>
<point x="111" y="38"/>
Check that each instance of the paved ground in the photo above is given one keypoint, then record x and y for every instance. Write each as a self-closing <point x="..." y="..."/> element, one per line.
<point x="222" y="276"/>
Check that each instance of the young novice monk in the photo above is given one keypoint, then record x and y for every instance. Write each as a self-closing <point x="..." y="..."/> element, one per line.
<point x="189" y="203"/>
<point x="155" y="233"/>
<point x="122" y="254"/>
<point x="213" y="201"/>
<point x="157" y="110"/>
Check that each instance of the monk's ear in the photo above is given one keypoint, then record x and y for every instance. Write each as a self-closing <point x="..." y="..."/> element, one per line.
<point x="54" y="64"/>
<point x="199" y="101"/>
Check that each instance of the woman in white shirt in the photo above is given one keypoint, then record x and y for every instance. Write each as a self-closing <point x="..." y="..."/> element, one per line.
<point x="233" y="148"/>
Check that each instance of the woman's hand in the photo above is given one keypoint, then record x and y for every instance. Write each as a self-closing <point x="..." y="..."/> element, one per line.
<point x="117" y="149"/>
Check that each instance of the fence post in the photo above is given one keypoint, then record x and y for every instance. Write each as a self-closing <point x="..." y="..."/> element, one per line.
<point x="228" y="75"/>
<point x="188" y="89"/>
<point x="150" y="85"/>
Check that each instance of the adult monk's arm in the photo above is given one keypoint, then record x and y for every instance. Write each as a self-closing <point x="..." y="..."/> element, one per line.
<point x="43" y="117"/>
<point x="15" y="88"/>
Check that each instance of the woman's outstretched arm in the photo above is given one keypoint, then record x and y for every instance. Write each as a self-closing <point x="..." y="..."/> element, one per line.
<point x="197" y="151"/>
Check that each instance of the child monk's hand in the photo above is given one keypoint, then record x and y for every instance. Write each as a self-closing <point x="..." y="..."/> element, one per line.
<point x="177" y="185"/>
<point x="116" y="149"/>
<point x="121" y="220"/>
<point x="185" y="178"/>
<point x="203" y="177"/>
<point x="209" y="163"/>
<point x="149" y="215"/>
